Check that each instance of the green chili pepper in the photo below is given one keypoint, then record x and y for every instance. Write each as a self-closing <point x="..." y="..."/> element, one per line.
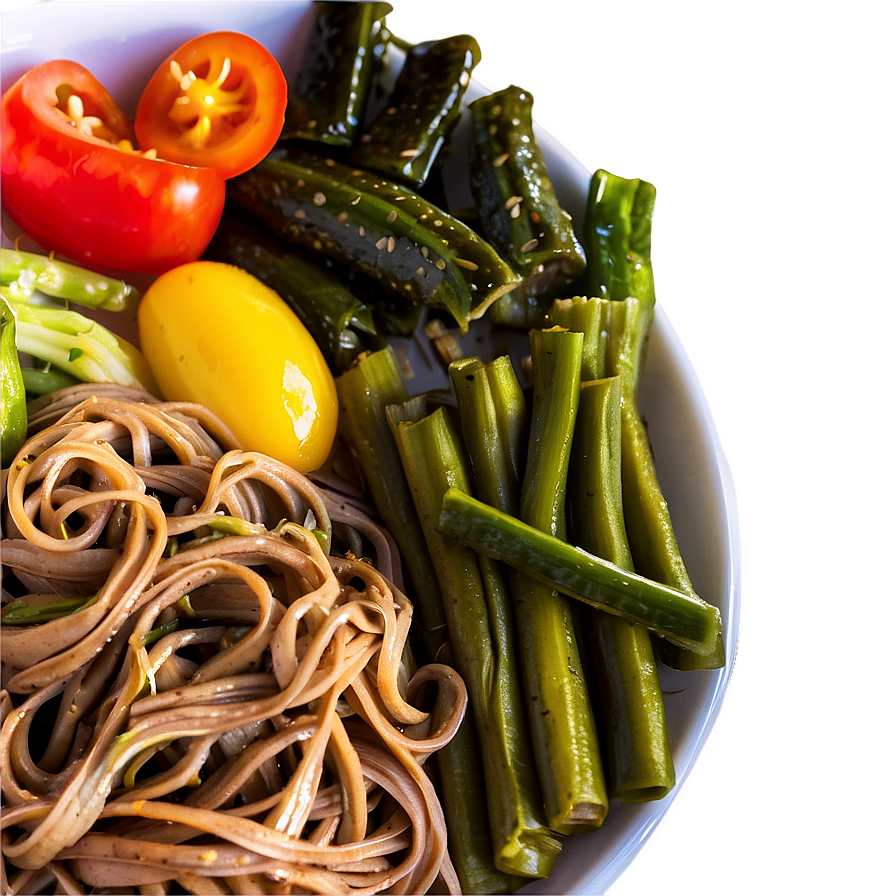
<point x="14" y="424"/>
<point x="375" y="226"/>
<point x="518" y="207"/>
<point x="36" y="608"/>
<point x="329" y="94"/>
<point x="405" y="139"/>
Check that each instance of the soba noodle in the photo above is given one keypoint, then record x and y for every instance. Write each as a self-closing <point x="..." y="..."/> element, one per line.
<point x="225" y="703"/>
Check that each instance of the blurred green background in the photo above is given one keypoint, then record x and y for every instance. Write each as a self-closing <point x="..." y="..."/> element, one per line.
<point x="768" y="128"/>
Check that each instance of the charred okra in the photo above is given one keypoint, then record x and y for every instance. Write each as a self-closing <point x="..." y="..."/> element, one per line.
<point x="518" y="207"/>
<point x="375" y="226"/>
<point x="404" y="140"/>
<point x="329" y="95"/>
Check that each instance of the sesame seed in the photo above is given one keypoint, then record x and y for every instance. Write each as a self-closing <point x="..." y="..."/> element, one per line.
<point x="342" y="216"/>
<point x="361" y="230"/>
<point x="391" y="216"/>
<point x="466" y="263"/>
<point x="515" y="212"/>
<point x="299" y="213"/>
<point x="390" y="244"/>
<point x="356" y="200"/>
<point x="501" y="160"/>
<point x="441" y="264"/>
<point x="319" y="198"/>
<point x="300" y="183"/>
<point x="330" y="163"/>
<point x="407" y="154"/>
<point x="381" y="243"/>
<point x="421" y="271"/>
<point x="528" y="247"/>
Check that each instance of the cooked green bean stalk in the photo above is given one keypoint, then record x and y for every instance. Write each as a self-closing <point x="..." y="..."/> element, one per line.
<point x="561" y="718"/>
<point x="682" y="618"/>
<point x="639" y="759"/>
<point x="14" y="422"/>
<point x="590" y="317"/>
<point x="25" y="273"/>
<point x="329" y="94"/>
<point x="366" y="390"/>
<point x="469" y="834"/>
<point x="405" y="139"/>
<point x="651" y="533"/>
<point x="378" y="227"/>
<point x="341" y="324"/>
<point x="518" y="207"/>
<point x="494" y="420"/>
<point x="477" y="612"/>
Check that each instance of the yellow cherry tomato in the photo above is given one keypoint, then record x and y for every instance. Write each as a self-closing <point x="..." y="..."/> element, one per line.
<point x="214" y="334"/>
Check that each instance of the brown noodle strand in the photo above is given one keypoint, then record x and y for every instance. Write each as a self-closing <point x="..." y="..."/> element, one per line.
<point x="231" y="709"/>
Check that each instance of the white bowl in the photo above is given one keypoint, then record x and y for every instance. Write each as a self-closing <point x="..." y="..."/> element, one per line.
<point x="122" y="43"/>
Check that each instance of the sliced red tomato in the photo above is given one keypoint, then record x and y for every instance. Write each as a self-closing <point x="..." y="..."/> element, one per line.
<point x="73" y="182"/>
<point x="219" y="100"/>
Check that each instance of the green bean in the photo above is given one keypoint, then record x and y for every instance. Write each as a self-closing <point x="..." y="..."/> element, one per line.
<point x="469" y="835"/>
<point x="493" y="417"/>
<point x="590" y="317"/>
<point x="651" y="533"/>
<point x="682" y="618"/>
<point x="561" y="719"/>
<point x="365" y="391"/>
<point x="639" y="759"/>
<point x="433" y="456"/>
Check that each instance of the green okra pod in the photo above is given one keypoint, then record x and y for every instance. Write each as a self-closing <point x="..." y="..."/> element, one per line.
<point x="24" y="273"/>
<point x="518" y="206"/>
<point x="476" y="610"/>
<point x="405" y="139"/>
<point x="682" y="618"/>
<point x="329" y="94"/>
<point x="377" y="227"/>
<point x="639" y="758"/>
<point x="365" y="390"/>
<point x="341" y="324"/>
<point x="14" y="419"/>
<point x="561" y="718"/>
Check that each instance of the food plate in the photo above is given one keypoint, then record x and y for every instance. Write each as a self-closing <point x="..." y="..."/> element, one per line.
<point x="122" y="44"/>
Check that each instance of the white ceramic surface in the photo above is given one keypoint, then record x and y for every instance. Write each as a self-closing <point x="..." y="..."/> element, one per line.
<point x="122" y="44"/>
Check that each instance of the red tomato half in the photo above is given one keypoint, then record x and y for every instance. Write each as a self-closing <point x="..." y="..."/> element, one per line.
<point x="218" y="100"/>
<point x="72" y="182"/>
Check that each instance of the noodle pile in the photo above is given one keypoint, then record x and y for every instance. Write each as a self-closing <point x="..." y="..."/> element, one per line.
<point x="226" y="704"/>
